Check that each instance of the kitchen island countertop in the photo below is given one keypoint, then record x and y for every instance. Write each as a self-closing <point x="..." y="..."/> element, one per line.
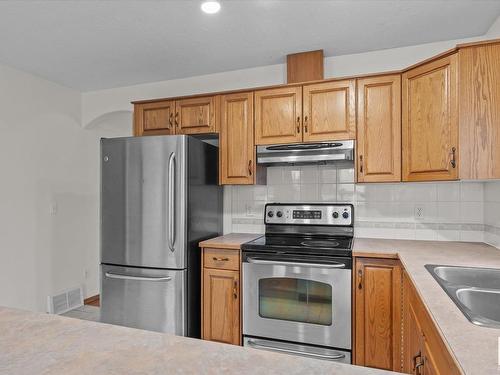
<point x="36" y="343"/>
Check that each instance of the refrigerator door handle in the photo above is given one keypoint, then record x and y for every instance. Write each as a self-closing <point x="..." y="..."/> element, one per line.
<point x="140" y="278"/>
<point x="171" y="201"/>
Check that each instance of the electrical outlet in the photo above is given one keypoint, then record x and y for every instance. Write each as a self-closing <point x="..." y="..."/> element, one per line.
<point x="249" y="210"/>
<point x="419" y="212"/>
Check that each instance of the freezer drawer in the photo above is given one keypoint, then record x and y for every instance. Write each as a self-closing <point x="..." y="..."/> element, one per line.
<point x="141" y="298"/>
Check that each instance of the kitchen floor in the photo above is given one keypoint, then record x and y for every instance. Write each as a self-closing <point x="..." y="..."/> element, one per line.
<point x="85" y="312"/>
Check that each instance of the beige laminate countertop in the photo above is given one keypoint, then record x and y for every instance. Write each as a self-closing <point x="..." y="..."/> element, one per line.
<point x="35" y="343"/>
<point x="475" y="348"/>
<point x="229" y="241"/>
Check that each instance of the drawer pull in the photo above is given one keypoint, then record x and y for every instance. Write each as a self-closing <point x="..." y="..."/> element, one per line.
<point x="215" y="259"/>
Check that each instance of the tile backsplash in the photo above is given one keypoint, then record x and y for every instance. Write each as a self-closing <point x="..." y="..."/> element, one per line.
<point x="454" y="211"/>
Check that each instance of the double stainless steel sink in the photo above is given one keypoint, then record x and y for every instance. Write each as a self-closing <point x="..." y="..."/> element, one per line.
<point x="476" y="291"/>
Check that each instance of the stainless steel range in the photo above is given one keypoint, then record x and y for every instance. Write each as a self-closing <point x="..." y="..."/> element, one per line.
<point x="297" y="281"/>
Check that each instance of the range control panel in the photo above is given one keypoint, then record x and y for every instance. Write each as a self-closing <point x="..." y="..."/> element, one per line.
<point x="309" y="214"/>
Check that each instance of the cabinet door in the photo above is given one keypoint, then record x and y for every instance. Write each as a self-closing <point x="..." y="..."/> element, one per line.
<point x="330" y="111"/>
<point x="413" y="357"/>
<point x="430" y="121"/>
<point x="425" y="352"/>
<point x="237" y="148"/>
<point x="221" y="306"/>
<point x="196" y="115"/>
<point x="378" y="313"/>
<point x="154" y="118"/>
<point x="379" y="129"/>
<point x="480" y="111"/>
<point x="278" y="116"/>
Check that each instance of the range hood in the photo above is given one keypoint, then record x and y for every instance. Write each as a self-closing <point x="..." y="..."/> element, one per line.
<point x="306" y="153"/>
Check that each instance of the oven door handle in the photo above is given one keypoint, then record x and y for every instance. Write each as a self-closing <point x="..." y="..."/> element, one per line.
<point x="260" y="345"/>
<point x="300" y="264"/>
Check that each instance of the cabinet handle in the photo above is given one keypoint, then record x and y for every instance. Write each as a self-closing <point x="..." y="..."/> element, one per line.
<point x="416" y="366"/>
<point x="453" y="157"/>
<point x="298" y="124"/>
<point x="305" y="123"/>
<point x="215" y="259"/>
<point x="249" y="167"/>
<point x="235" y="289"/>
<point x="360" y="279"/>
<point x="360" y="163"/>
<point x="170" y="119"/>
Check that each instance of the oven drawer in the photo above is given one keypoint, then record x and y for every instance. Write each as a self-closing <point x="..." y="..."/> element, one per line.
<point x="224" y="259"/>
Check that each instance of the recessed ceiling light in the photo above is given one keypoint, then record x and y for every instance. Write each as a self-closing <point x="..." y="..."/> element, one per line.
<point x="210" y="7"/>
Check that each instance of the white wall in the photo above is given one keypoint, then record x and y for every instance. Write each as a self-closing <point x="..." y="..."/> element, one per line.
<point x="47" y="160"/>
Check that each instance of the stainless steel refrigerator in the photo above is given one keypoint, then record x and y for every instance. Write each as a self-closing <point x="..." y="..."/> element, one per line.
<point x="159" y="197"/>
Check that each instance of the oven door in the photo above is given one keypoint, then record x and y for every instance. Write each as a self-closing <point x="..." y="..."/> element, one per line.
<point x="297" y="299"/>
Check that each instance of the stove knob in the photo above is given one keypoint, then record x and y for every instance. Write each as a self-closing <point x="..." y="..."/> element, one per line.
<point x="270" y="214"/>
<point x="279" y="214"/>
<point x="335" y="215"/>
<point x="345" y="215"/>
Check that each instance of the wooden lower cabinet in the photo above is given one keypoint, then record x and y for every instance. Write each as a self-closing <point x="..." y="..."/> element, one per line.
<point x="377" y="313"/>
<point x="392" y="328"/>
<point x="424" y="351"/>
<point x="221" y="296"/>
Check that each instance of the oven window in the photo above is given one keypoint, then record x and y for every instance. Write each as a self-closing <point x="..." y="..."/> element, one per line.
<point x="297" y="300"/>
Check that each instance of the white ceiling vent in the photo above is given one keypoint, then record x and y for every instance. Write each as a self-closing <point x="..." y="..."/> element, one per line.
<point x="65" y="301"/>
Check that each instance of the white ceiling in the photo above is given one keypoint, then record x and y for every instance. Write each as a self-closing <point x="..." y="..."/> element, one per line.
<point x="92" y="45"/>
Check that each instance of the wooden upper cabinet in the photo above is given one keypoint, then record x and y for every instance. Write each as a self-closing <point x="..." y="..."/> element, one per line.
<point x="278" y="115"/>
<point x="378" y="313"/>
<point x="154" y="118"/>
<point x="196" y="115"/>
<point x="480" y="111"/>
<point x="379" y="129"/>
<point x="430" y="121"/>
<point x="237" y="147"/>
<point x="330" y="111"/>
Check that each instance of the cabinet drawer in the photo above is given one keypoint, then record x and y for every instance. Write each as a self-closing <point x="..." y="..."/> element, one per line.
<point x="223" y="259"/>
